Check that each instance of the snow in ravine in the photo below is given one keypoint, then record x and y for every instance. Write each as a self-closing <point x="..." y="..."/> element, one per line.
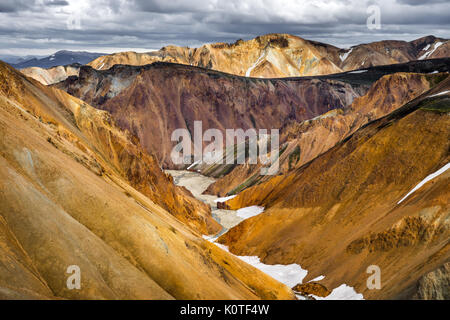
<point x="429" y="53"/>
<point x="249" y="71"/>
<point x="428" y="178"/>
<point x="224" y="199"/>
<point x="291" y="274"/>
<point x="344" y="56"/>
<point x="249" y="212"/>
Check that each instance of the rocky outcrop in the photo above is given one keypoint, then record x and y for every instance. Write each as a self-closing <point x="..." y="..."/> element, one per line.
<point x="342" y="212"/>
<point x="311" y="288"/>
<point x="66" y="199"/>
<point x="435" y="285"/>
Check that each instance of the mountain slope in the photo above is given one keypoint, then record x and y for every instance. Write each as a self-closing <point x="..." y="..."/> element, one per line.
<point x="117" y="148"/>
<point x="153" y="100"/>
<point x="342" y="212"/>
<point x="304" y="141"/>
<point x="66" y="199"/>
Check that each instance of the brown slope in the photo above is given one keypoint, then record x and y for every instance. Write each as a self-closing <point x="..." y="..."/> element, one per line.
<point x="338" y="214"/>
<point x="154" y="100"/>
<point x="302" y="142"/>
<point x="392" y="51"/>
<point x="99" y="131"/>
<point x="64" y="202"/>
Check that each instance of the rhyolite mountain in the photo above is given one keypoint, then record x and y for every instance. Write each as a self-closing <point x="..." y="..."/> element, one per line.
<point x="152" y="101"/>
<point x="268" y="56"/>
<point x="81" y="175"/>
<point x="303" y="141"/>
<point x="346" y="209"/>
<point x="284" y="55"/>
<point x="75" y="189"/>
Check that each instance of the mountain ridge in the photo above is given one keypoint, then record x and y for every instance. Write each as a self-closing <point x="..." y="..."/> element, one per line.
<point x="284" y="55"/>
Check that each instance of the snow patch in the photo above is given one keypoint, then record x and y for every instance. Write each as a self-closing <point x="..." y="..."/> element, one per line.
<point x="429" y="53"/>
<point x="344" y="56"/>
<point x="249" y="70"/>
<point x="358" y="71"/>
<point x="224" y="199"/>
<point x="193" y="165"/>
<point x="290" y="274"/>
<point x="343" y="292"/>
<point x="293" y="274"/>
<point x="210" y="238"/>
<point x="318" y="278"/>
<point x="249" y="212"/>
<point x="428" y="178"/>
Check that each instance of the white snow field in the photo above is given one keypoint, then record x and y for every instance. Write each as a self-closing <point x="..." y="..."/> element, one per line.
<point x="249" y="212"/>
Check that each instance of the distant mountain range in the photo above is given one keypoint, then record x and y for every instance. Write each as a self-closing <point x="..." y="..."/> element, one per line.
<point x="60" y="58"/>
<point x="14" y="59"/>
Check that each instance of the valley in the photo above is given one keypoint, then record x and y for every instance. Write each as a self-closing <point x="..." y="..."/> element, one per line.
<point x="88" y="179"/>
<point x="290" y="275"/>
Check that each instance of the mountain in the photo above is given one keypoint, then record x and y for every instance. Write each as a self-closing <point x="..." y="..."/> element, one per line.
<point x="284" y="55"/>
<point x="78" y="190"/>
<point x="268" y="56"/>
<point x="274" y="55"/>
<point x="385" y="88"/>
<point x="152" y="101"/>
<point x="378" y="197"/>
<point x="303" y="141"/>
<point x="13" y="59"/>
<point x="52" y="75"/>
<point x="60" y="58"/>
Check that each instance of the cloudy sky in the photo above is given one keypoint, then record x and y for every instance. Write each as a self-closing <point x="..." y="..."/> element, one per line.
<point x="45" y="26"/>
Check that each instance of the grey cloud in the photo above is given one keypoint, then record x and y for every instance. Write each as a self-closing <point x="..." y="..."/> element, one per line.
<point x="421" y="2"/>
<point x="15" y="5"/>
<point x="56" y="3"/>
<point x="156" y="23"/>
